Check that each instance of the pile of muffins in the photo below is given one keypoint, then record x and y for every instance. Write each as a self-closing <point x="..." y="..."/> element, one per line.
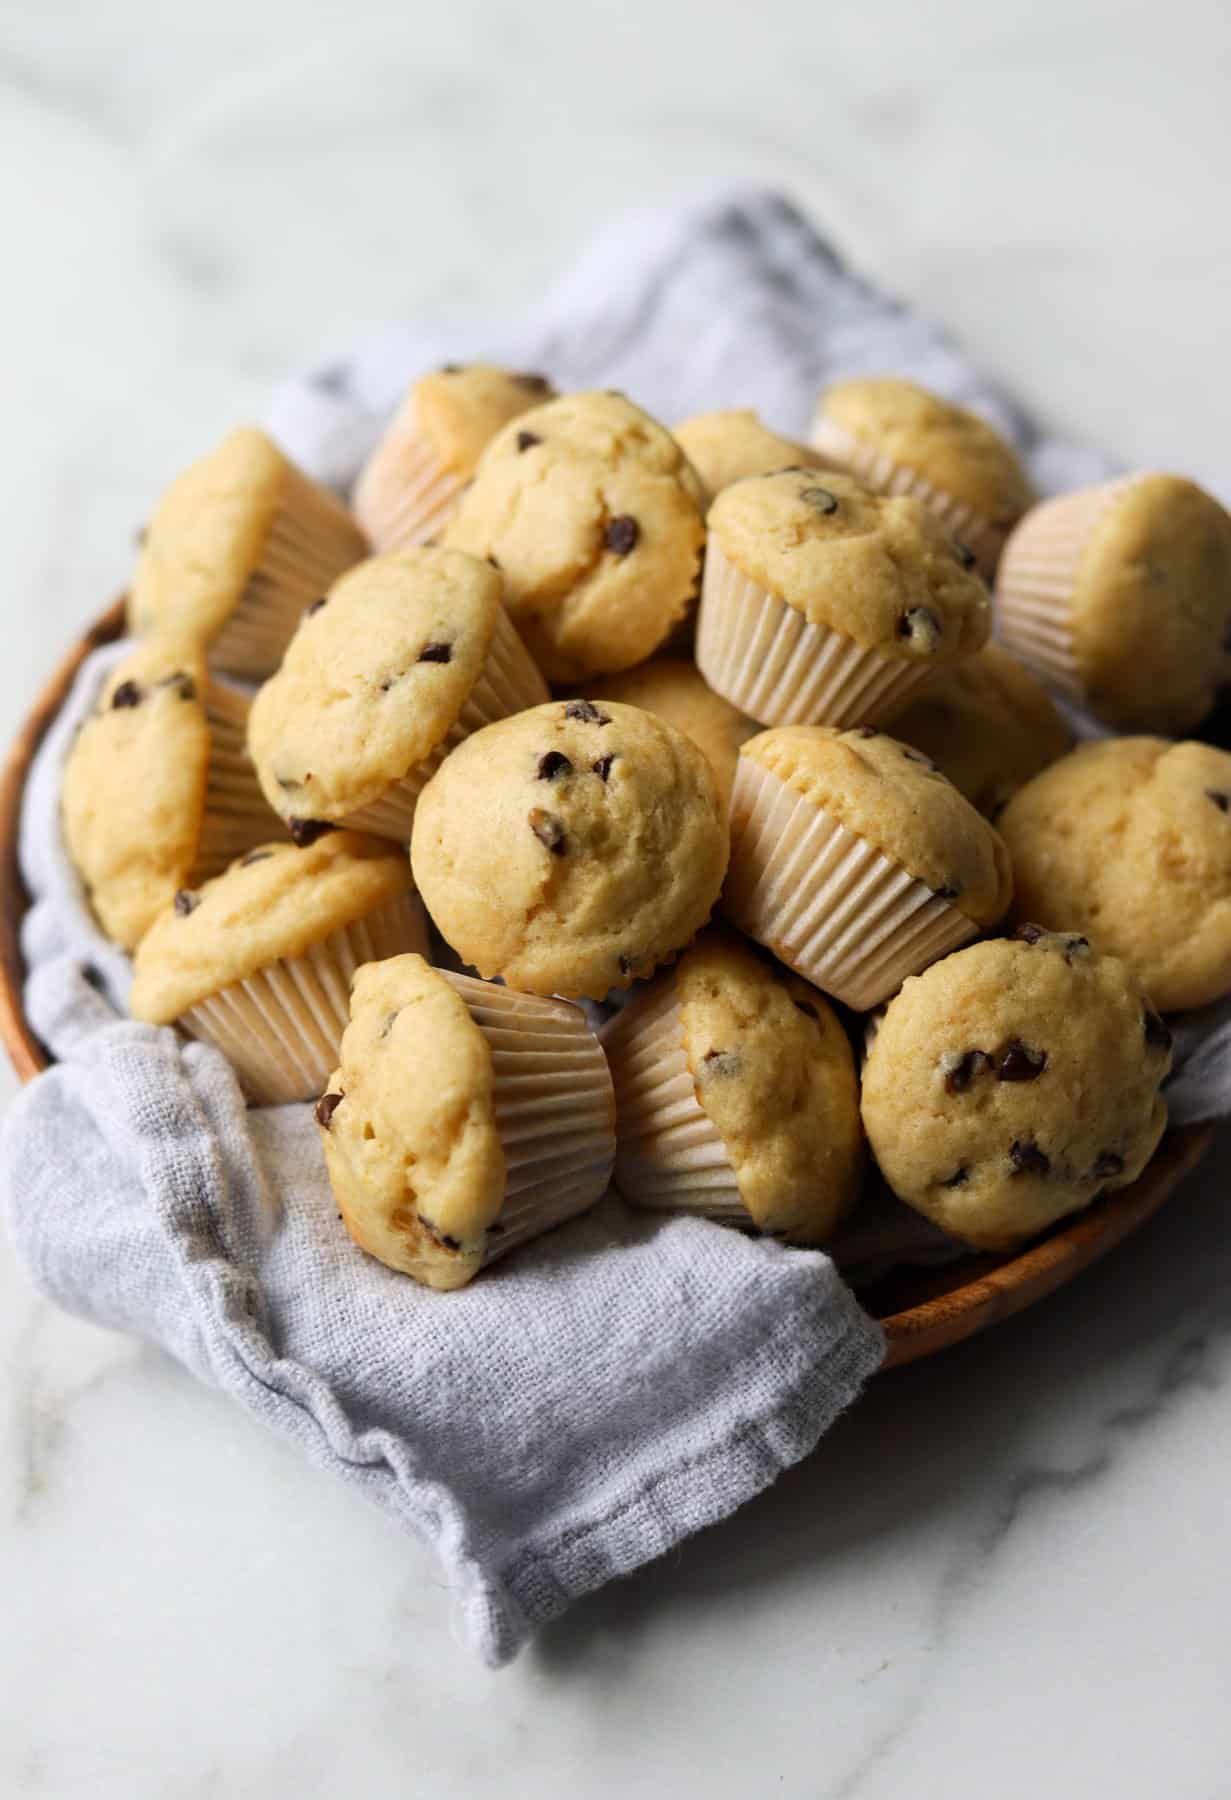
<point x="382" y="793"/>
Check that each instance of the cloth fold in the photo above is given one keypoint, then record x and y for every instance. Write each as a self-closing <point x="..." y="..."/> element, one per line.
<point x="627" y="1380"/>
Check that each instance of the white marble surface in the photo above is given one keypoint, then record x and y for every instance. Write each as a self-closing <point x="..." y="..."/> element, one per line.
<point x="1005" y="1572"/>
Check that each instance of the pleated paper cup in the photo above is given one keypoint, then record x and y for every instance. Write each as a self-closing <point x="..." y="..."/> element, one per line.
<point x="237" y="815"/>
<point x="508" y="683"/>
<point x="767" y="659"/>
<point x="405" y="495"/>
<point x="282" y="1026"/>
<point x="1037" y="578"/>
<point x="849" y="919"/>
<point x="554" y="1109"/>
<point x="670" y="1156"/>
<point x="312" y="540"/>
<point x="843" y="450"/>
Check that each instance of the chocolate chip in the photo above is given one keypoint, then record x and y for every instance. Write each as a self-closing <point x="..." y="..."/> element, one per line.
<point x="451" y="368"/>
<point x="127" y="694"/>
<point x="1222" y="801"/>
<point x="602" y="768"/>
<point x="1019" y="1063"/>
<point x="306" y="831"/>
<point x="621" y="534"/>
<point x="961" y="1073"/>
<point x="721" y="1062"/>
<point x="586" y="712"/>
<point x="1107" y="1164"/>
<point x="255" y="856"/>
<point x="527" y="439"/>
<point x="1029" y="934"/>
<point x="536" y="384"/>
<point x="948" y="892"/>
<point x="965" y="555"/>
<point x="806" y="1007"/>
<point x="326" y="1106"/>
<point x="1027" y="1158"/>
<point x="441" y="1237"/>
<point x="186" y="901"/>
<point x="314" y="606"/>
<point x="1156" y="1033"/>
<point x="820" y="500"/>
<point x="922" y="626"/>
<point x="865" y="731"/>
<point x="548" y="830"/>
<point x="1075" y="946"/>
<point x="495" y="565"/>
<point x="439" y="653"/>
<point x="552" y="764"/>
<point x="959" y="1178"/>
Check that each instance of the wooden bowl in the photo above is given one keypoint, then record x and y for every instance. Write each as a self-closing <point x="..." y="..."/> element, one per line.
<point x="922" y="1310"/>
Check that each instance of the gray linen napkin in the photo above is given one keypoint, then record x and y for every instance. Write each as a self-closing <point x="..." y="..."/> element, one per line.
<point x="624" y="1382"/>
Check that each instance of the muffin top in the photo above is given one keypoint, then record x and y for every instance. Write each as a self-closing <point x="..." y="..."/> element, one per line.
<point x="1129" y="841"/>
<point x="592" y="514"/>
<point x="728" y="446"/>
<point x="1151" y="609"/>
<point x="1008" y="1084"/>
<point x="274" y="902"/>
<point x="461" y="407"/>
<point x="879" y="568"/>
<point x="408" y="1124"/>
<point x="774" y="1073"/>
<point x="678" y="692"/>
<point x="571" y="848"/>
<point x="373" y="680"/>
<point x="133" y="798"/>
<point x="896" y="799"/>
<point x="955" y="450"/>
<point x="988" y="724"/>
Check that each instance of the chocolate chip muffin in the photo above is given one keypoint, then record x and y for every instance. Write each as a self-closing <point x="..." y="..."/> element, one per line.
<point x="1012" y="1082"/>
<point x="677" y="691"/>
<point x="593" y="516"/>
<point x="1120" y="597"/>
<point x="729" y="446"/>
<point x="463" y="1119"/>
<point x="855" y="861"/>
<point x="158" y="791"/>
<point x="413" y="480"/>
<point x="900" y="439"/>
<point x="571" y="849"/>
<point x="736" y="1095"/>
<point x="405" y="656"/>
<point x="1129" y="841"/>
<point x="240" y="544"/>
<point x="824" y="603"/>
<point x="987" y="724"/>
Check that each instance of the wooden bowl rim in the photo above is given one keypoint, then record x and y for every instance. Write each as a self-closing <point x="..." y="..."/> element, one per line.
<point x="959" y="1299"/>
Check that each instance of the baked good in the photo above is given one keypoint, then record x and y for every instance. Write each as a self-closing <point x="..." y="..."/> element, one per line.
<point x="677" y="691"/>
<point x="593" y="516"/>
<point x="571" y="849"/>
<point x="1011" y="1083"/>
<point x="405" y="656"/>
<point x="901" y="439"/>
<point x="239" y="545"/>
<point x="824" y="603"/>
<point x="462" y="1120"/>
<point x="158" y="791"/>
<point x="855" y="861"/>
<point x="736" y="1095"/>
<point x="418" y="471"/>
<point x="1129" y="841"/>
<point x="258" y="962"/>
<point x="729" y="446"/>
<point x="1120" y="597"/>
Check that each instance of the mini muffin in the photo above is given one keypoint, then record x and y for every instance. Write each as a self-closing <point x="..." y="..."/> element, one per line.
<point x="1120" y="597"/>
<point x="900" y="439"/>
<point x="725" y="447"/>
<point x="855" y="861"/>
<point x="158" y="790"/>
<point x="593" y="515"/>
<point x="1012" y="1082"/>
<point x="405" y="656"/>
<point x="988" y="725"/>
<point x="463" y="1120"/>
<point x="736" y="1096"/>
<point x="259" y="961"/>
<point x="571" y="849"/>
<point x="677" y="692"/>
<point x="1129" y="841"/>
<point x="416" y="475"/>
<point x="826" y="604"/>
<point x="240" y="544"/>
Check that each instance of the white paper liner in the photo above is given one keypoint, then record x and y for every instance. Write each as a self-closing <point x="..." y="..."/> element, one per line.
<point x="1038" y="572"/>
<point x="840" y="913"/>
<point x="670" y="1156"/>
<point x="311" y="541"/>
<point x="508" y="683"/>
<point x="844" y="451"/>
<point x="281" y="1027"/>
<point x="405" y="495"/>
<point x="767" y="659"/>
<point x="554" y="1108"/>
<point x="237" y="815"/>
